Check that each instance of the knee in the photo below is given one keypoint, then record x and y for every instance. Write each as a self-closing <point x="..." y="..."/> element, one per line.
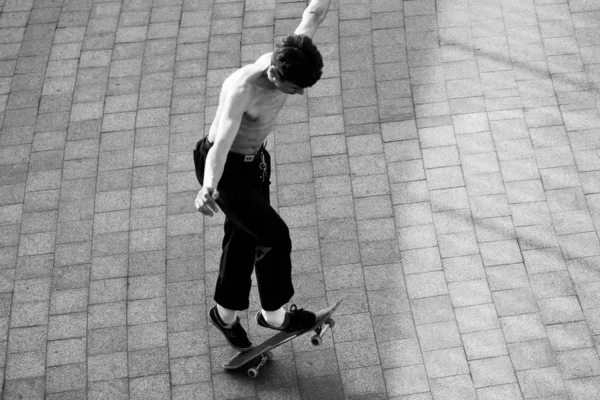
<point x="286" y="239"/>
<point x="286" y="243"/>
<point x="281" y="238"/>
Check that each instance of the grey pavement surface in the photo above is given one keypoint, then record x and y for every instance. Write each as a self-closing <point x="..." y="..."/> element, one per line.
<point x="443" y="177"/>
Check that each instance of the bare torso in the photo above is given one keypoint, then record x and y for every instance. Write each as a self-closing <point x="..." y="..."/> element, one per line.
<point x="259" y="116"/>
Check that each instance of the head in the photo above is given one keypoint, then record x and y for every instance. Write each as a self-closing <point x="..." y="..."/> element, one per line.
<point x="295" y="64"/>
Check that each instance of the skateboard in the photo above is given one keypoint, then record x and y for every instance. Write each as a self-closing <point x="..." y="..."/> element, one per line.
<point x="258" y="356"/>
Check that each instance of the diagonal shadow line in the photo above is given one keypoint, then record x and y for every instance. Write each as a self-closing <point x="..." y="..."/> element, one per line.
<point x="526" y="241"/>
<point x="532" y="67"/>
<point x="586" y="269"/>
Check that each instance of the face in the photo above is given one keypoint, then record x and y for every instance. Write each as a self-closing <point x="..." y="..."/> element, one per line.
<point x="284" y="86"/>
<point x="289" y="87"/>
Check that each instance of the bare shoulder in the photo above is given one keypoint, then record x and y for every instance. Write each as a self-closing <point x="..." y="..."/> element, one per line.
<point x="237" y="81"/>
<point x="236" y="90"/>
<point x="243" y="78"/>
<point x="264" y="60"/>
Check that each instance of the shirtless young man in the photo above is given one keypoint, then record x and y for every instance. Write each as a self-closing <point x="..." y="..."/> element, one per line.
<point x="233" y="167"/>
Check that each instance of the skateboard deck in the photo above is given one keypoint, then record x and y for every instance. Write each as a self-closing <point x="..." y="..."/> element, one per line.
<point x="259" y="355"/>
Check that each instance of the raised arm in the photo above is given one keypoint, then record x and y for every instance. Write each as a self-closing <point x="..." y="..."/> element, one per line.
<point x="312" y="17"/>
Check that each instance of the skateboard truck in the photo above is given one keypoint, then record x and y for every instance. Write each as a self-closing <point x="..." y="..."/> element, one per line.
<point x="253" y="371"/>
<point x="317" y="339"/>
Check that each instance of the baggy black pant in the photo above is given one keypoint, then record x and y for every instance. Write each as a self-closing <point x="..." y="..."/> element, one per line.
<point x="255" y="235"/>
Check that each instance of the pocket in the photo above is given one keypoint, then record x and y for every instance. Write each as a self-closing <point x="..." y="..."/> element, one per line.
<point x="268" y="161"/>
<point x="199" y="162"/>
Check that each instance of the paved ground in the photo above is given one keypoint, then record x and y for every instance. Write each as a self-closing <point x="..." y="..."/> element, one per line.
<point x="443" y="177"/>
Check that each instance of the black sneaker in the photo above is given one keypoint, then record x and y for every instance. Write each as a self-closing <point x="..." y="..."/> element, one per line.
<point x="295" y="320"/>
<point x="234" y="333"/>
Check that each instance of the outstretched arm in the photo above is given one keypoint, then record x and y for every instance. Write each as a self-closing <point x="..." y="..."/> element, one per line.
<point x="312" y="17"/>
<point x="233" y="102"/>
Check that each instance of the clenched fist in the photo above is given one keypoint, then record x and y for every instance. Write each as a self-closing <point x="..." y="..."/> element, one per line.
<point x="205" y="201"/>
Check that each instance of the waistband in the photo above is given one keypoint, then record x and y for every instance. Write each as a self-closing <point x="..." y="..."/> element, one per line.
<point x="239" y="156"/>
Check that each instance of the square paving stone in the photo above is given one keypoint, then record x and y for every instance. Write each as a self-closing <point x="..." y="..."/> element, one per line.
<point x="148" y="362"/>
<point x="190" y="369"/>
<point x="492" y="371"/>
<point x="569" y="336"/>
<point x="509" y="392"/>
<point x="477" y="318"/>
<point x="363" y="381"/>
<point x="107" y="315"/>
<point x="107" y="366"/>
<point x="515" y="301"/>
<point x="329" y="386"/>
<point x="114" y="389"/>
<point x="438" y="335"/>
<point x="426" y="285"/>
<point x="33" y="388"/>
<point x="393" y="327"/>
<point x="29" y="314"/>
<point x="579" y="363"/>
<point x="432" y="309"/>
<point x="446" y="362"/>
<point x="30" y="339"/>
<point x="69" y="351"/>
<point x="107" y="340"/>
<point x="581" y="388"/>
<point x="484" y="344"/>
<point x="406" y="380"/>
<point x="454" y="387"/>
<point x="544" y="382"/>
<point x="24" y="365"/>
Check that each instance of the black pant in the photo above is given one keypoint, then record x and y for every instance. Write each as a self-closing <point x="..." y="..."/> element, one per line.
<point x="255" y="235"/>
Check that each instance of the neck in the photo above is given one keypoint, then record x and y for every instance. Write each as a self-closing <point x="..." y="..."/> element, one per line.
<point x="265" y="81"/>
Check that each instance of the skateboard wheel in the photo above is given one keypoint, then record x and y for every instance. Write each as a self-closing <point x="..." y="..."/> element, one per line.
<point x="330" y="322"/>
<point x="316" y="340"/>
<point x="253" y="373"/>
<point x="269" y="355"/>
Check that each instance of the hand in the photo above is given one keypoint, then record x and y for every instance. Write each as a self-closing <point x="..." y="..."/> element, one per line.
<point x="205" y="201"/>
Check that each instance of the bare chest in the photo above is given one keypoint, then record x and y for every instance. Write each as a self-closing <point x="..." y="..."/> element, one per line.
<point x="263" y="111"/>
<point x="256" y="124"/>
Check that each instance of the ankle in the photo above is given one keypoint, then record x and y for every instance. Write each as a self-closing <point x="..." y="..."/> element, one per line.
<point x="227" y="316"/>
<point x="274" y="318"/>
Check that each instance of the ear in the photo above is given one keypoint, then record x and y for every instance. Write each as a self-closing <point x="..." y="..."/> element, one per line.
<point x="274" y="74"/>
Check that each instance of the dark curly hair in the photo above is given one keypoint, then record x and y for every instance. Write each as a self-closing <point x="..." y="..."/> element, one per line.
<point x="297" y="60"/>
